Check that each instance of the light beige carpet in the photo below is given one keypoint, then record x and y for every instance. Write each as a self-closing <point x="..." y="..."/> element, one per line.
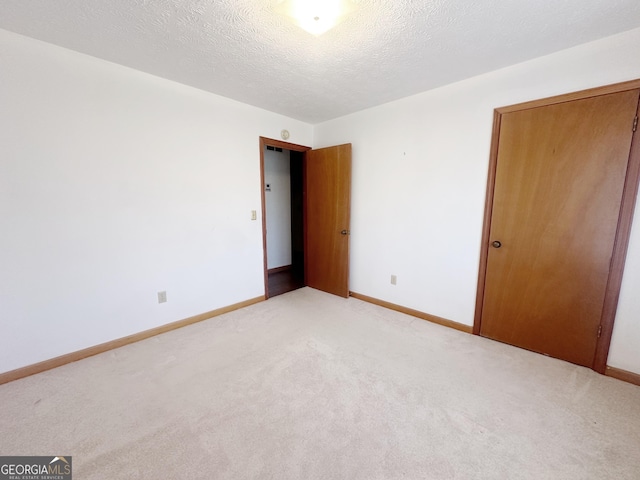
<point x="312" y="386"/>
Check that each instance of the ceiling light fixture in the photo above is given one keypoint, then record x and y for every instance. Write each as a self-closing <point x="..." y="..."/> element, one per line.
<point x="315" y="16"/>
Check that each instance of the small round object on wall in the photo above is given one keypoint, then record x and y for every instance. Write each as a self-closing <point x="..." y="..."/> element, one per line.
<point x="284" y="134"/>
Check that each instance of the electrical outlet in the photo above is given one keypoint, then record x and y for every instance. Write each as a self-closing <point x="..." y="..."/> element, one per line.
<point x="162" y="297"/>
<point x="254" y="215"/>
<point x="394" y="280"/>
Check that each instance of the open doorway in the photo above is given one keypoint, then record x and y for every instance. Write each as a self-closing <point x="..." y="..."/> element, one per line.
<point x="320" y="206"/>
<point x="283" y="190"/>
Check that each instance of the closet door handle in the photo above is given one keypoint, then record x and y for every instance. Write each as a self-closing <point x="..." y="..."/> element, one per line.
<point x="496" y="244"/>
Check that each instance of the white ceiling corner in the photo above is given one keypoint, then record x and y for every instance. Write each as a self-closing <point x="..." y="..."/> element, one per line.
<point x="385" y="50"/>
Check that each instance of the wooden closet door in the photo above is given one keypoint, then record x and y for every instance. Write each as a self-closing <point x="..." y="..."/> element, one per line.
<point x="559" y="181"/>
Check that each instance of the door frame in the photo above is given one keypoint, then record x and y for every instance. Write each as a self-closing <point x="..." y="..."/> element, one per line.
<point x="625" y="219"/>
<point x="265" y="142"/>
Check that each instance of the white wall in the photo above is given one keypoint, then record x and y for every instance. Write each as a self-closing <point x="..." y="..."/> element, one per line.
<point x="277" y="173"/>
<point x="419" y="179"/>
<point x="115" y="185"/>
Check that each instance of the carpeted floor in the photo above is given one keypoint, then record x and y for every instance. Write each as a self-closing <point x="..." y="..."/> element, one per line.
<point x="312" y="386"/>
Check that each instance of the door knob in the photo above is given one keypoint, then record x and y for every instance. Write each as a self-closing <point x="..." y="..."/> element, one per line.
<point x="496" y="244"/>
<point x="344" y="232"/>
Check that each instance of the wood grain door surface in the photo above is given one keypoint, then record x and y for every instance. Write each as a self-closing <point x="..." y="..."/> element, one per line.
<point x="328" y="211"/>
<point x="559" y="182"/>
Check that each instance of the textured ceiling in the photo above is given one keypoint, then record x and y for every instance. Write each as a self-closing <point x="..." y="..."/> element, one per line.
<point x="386" y="50"/>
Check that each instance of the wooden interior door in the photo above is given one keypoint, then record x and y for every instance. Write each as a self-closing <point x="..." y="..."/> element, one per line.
<point x="328" y="211"/>
<point x="559" y="183"/>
